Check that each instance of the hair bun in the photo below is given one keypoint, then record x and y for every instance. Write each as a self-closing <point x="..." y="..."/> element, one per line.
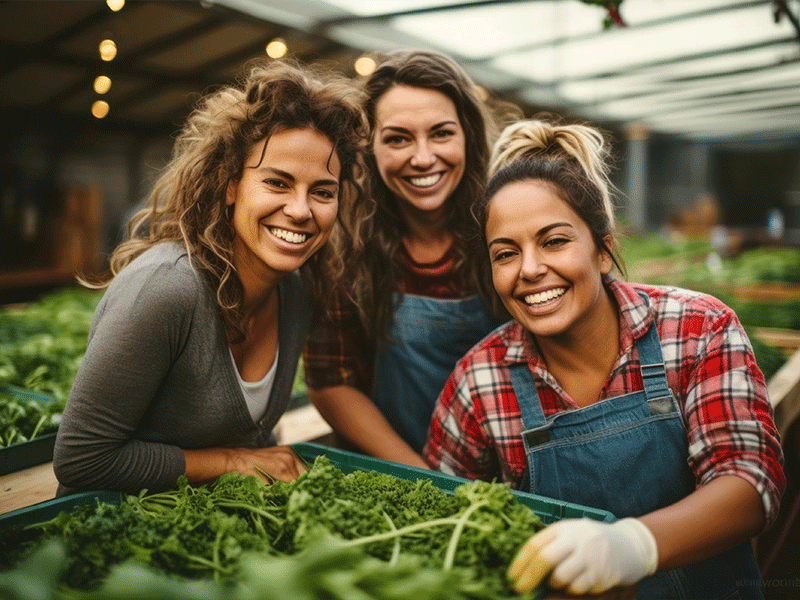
<point x="523" y="139"/>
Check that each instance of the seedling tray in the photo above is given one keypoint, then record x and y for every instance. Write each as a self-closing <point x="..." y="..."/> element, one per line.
<point x="34" y="452"/>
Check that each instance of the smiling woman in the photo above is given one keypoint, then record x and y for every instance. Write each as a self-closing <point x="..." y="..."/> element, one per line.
<point x="284" y="205"/>
<point x="640" y="400"/>
<point x="411" y="308"/>
<point x="194" y="346"/>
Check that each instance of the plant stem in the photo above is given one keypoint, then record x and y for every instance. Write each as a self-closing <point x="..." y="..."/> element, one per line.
<point x="387" y="535"/>
<point x="462" y="521"/>
<point x="251" y="508"/>
<point x="38" y="426"/>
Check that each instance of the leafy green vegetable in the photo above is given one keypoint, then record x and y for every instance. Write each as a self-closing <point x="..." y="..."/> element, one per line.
<point x="42" y="344"/>
<point x="683" y="262"/>
<point x="459" y="545"/>
<point x="22" y="420"/>
<point x="326" y="571"/>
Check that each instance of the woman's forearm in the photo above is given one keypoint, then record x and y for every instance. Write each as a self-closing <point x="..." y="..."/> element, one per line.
<point x="354" y="416"/>
<point x="718" y="515"/>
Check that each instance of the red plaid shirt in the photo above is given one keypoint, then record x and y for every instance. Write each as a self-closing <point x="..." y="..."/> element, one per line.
<point x="476" y="426"/>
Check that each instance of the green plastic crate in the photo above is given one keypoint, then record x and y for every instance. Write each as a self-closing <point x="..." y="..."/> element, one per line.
<point x="49" y="509"/>
<point x="548" y="509"/>
<point x="34" y="452"/>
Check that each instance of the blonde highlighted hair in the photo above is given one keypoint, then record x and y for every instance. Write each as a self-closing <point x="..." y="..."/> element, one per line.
<point x="544" y="140"/>
<point x="187" y="203"/>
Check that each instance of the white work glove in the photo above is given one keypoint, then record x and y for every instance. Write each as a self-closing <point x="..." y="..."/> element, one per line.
<point x="585" y="556"/>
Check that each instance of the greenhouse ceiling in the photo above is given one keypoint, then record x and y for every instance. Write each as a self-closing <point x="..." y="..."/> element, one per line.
<point x="694" y="68"/>
<point x="713" y="69"/>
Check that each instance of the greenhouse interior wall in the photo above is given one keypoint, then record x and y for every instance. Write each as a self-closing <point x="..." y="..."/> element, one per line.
<point x="747" y="178"/>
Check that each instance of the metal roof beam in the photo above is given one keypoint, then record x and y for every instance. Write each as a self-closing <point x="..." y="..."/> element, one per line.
<point x="677" y="60"/>
<point x="784" y="8"/>
<point x="670" y="82"/>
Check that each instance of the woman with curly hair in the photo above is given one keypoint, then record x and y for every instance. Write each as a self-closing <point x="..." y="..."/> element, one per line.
<point x="195" y="343"/>
<point x="412" y="308"/>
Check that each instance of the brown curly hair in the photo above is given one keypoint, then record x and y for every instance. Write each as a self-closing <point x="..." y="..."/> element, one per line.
<point x="187" y="203"/>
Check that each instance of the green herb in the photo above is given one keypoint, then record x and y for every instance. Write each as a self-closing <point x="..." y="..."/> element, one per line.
<point x="22" y="420"/>
<point x="211" y="532"/>
<point x="42" y="344"/>
<point x="325" y="572"/>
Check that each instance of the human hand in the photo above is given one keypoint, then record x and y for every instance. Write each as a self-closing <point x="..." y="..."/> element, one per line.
<point x="277" y="462"/>
<point x="585" y="556"/>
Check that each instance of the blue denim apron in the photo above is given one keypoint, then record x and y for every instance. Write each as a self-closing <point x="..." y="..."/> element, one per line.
<point x="628" y="455"/>
<point x="427" y="339"/>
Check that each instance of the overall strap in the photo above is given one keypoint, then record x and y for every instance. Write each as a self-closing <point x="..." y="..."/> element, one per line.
<point x="527" y="396"/>
<point x="654" y="375"/>
<point x="653" y="371"/>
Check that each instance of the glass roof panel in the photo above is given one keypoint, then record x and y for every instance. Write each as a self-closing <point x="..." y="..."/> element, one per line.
<point x="596" y="90"/>
<point x="784" y="76"/>
<point x="729" y="104"/>
<point x="727" y="57"/>
<point x="627" y="48"/>
<point x="380" y="7"/>
<point x="636" y="12"/>
<point x="487" y="31"/>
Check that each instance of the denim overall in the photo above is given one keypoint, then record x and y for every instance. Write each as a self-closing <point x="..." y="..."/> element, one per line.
<point x="628" y="455"/>
<point x="427" y="339"/>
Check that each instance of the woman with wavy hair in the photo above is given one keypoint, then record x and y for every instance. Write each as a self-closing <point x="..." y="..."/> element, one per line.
<point x="645" y="401"/>
<point x="195" y="343"/>
<point x="411" y="308"/>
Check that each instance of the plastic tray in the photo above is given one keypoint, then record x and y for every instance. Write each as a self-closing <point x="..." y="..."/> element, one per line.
<point x="49" y="509"/>
<point x="548" y="509"/>
<point x="34" y="452"/>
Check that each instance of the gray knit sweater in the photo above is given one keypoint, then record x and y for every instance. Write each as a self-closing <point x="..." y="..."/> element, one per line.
<point x="158" y="377"/>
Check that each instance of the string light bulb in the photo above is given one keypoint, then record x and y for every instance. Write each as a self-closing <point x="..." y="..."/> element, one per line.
<point x="365" y="66"/>
<point x="102" y="84"/>
<point x="277" y="48"/>
<point x="108" y="50"/>
<point x="100" y="109"/>
<point x="115" y="5"/>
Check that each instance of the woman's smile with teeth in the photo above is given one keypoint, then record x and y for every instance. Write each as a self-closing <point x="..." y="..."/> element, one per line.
<point x="289" y="236"/>
<point x="542" y="297"/>
<point x="426" y="181"/>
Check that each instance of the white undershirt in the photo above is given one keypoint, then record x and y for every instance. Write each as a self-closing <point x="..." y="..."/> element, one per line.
<point x="256" y="393"/>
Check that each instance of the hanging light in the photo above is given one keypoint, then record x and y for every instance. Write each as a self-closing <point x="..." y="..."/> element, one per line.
<point x="102" y="84"/>
<point x="277" y="48"/>
<point x="115" y="5"/>
<point x="365" y="66"/>
<point x="100" y="109"/>
<point x="108" y="50"/>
